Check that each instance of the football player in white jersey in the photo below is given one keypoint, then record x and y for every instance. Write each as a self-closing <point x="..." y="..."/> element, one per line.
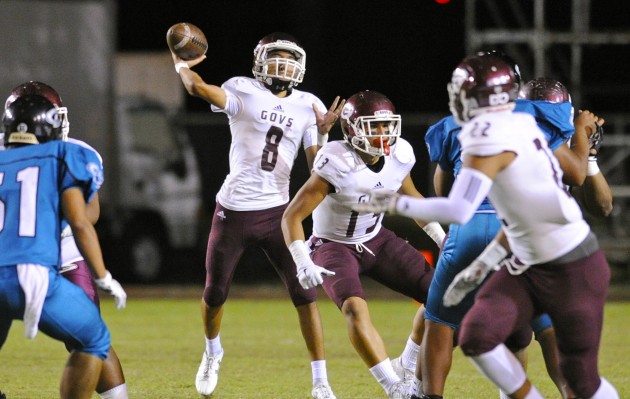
<point x="346" y="244"/>
<point x="269" y="120"/>
<point x="556" y="267"/>
<point x="111" y="383"/>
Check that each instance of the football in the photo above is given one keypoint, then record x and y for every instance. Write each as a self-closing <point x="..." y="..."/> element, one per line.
<point x="186" y="40"/>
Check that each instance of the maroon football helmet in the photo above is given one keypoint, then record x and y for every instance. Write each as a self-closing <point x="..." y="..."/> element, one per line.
<point x="369" y="123"/>
<point x="510" y="61"/>
<point x="481" y="83"/>
<point x="284" y="73"/>
<point x="545" y="89"/>
<point x="42" y="89"/>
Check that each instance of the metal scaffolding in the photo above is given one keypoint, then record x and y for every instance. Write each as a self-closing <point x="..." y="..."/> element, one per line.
<point x="522" y="30"/>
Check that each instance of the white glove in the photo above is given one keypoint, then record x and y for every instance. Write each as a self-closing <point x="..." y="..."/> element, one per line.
<point x="466" y="281"/>
<point x="311" y="275"/>
<point x="113" y="287"/>
<point x="308" y="273"/>
<point x="380" y="201"/>
<point x="472" y="276"/>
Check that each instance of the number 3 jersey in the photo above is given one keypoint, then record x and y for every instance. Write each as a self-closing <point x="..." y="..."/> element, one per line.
<point x="32" y="179"/>
<point x="267" y="132"/>
<point x="342" y="167"/>
<point x="540" y="218"/>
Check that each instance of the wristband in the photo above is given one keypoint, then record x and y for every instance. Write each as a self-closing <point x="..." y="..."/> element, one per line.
<point x="592" y="168"/>
<point x="436" y="232"/>
<point x="299" y="252"/>
<point x="180" y="65"/>
<point x="322" y="139"/>
<point x="493" y="254"/>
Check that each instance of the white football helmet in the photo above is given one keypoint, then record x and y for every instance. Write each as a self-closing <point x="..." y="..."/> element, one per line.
<point x="279" y="74"/>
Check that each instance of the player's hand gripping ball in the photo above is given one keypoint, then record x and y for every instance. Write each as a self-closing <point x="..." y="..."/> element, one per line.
<point x="187" y="41"/>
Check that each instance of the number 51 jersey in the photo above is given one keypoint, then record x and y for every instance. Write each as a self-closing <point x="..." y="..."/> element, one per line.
<point x="341" y="166"/>
<point x="32" y="179"/>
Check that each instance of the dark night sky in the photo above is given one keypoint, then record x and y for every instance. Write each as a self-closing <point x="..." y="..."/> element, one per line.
<point x="405" y="49"/>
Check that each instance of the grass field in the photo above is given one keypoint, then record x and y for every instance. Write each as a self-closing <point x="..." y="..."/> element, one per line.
<point x="160" y="341"/>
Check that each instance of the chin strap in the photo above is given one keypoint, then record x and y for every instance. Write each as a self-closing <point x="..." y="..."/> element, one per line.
<point x="277" y="85"/>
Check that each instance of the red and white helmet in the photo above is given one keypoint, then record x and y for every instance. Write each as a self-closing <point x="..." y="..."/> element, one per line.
<point x="481" y="83"/>
<point x="279" y="74"/>
<point x="42" y="89"/>
<point x="369" y="123"/>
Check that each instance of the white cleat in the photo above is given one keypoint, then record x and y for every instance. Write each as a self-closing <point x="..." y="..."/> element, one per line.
<point x="399" y="391"/>
<point x="208" y="373"/>
<point x="322" y="391"/>
<point x="408" y="376"/>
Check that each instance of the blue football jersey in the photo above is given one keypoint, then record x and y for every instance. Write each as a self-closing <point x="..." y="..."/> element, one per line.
<point x="32" y="179"/>
<point x="445" y="149"/>
<point x="443" y="146"/>
<point x="554" y="119"/>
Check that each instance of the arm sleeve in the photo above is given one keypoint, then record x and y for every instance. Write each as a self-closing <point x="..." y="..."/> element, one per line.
<point x="469" y="190"/>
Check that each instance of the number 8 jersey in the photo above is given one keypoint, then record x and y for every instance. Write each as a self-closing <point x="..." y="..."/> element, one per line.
<point x="267" y="132"/>
<point x="341" y="166"/>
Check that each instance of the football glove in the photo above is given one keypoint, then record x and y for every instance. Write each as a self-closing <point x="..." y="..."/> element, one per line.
<point x="596" y="139"/>
<point x="380" y="201"/>
<point x="472" y="276"/>
<point x="113" y="287"/>
<point x="466" y="281"/>
<point x="311" y="275"/>
<point x="308" y="273"/>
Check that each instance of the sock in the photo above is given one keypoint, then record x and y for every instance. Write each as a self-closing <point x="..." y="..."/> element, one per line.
<point x="320" y="376"/>
<point x="409" y="356"/>
<point x="605" y="391"/>
<point x="213" y="346"/>
<point x="384" y="374"/>
<point x="119" y="392"/>
<point x="533" y="394"/>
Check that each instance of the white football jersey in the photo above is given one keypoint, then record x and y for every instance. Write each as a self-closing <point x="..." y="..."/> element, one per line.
<point x="540" y="218"/>
<point x="69" y="250"/>
<point x="267" y="132"/>
<point x="340" y="165"/>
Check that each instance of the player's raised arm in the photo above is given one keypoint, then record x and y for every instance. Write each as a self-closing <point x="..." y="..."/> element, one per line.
<point x="188" y="47"/>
